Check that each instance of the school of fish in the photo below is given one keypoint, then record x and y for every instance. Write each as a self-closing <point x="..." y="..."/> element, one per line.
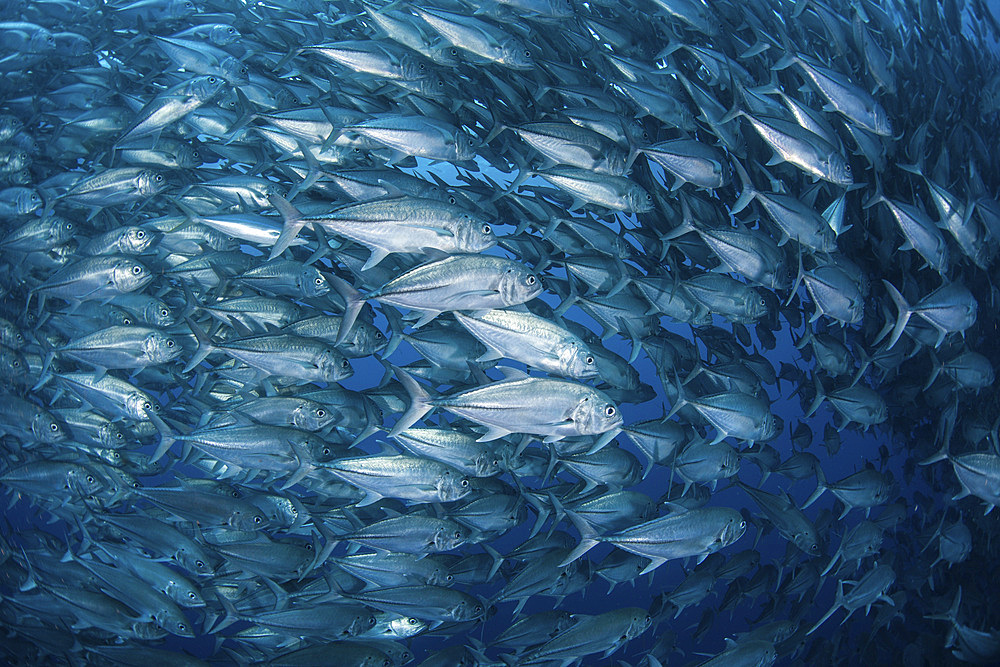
<point x="363" y="334"/>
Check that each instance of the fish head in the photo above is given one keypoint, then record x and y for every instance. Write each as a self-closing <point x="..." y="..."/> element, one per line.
<point x="465" y="145"/>
<point x="158" y="314"/>
<point x="577" y="361"/>
<point x="10" y="125"/>
<point x="149" y="182"/>
<point x="518" y="285"/>
<point x="413" y="69"/>
<point x="10" y="336"/>
<point x="771" y="427"/>
<point x="488" y="464"/>
<point x="595" y="414"/>
<point x="807" y="541"/>
<point x="756" y="305"/>
<point x="445" y="55"/>
<point x="883" y="126"/>
<point x="405" y="626"/>
<point x="333" y="365"/>
<point x="111" y="436"/>
<point x="46" y="428"/>
<point x="41" y="41"/>
<point x="475" y="234"/>
<point x="311" y="417"/>
<point x="639" y="201"/>
<point x="234" y="71"/>
<point x="516" y="55"/>
<point x="26" y="200"/>
<point x="139" y="406"/>
<point x="311" y="282"/>
<point x="204" y="88"/>
<point x="84" y="480"/>
<point x="837" y="169"/>
<point x="450" y="537"/>
<point x="136" y="240"/>
<point x="159" y="348"/>
<point x="178" y="9"/>
<point x="451" y="486"/>
<point x="129" y="276"/>
<point x="223" y="35"/>
<point x="13" y="366"/>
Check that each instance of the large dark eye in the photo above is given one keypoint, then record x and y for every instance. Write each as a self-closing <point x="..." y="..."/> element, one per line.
<point x="345" y="364"/>
<point x="458" y="534"/>
<point x="257" y="520"/>
<point x="486" y="229"/>
<point x="146" y="406"/>
<point x="53" y="427"/>
<point x="321" y="413"/>
<point x="159" y="178"/>
<point x="199" y="563"/>
<point x="140" y="234"/>
<point x="590" y="360"/>
<point x="212" y="80"/>
<point x="192" y="596"/>
<point x="136" y="270"/>
<point x="531" y="280"/>
<point x="170" y="343"/>
<point x="527" y="53"/>
<point x="610" y="411"/>
<point x="232" y="31"/>
<point x="465" y="483"/>
<point x="90" y="479"/>
<point x="319" y="281"/>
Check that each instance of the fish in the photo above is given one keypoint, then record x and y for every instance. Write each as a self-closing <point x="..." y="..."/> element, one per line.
<point x="352" y="333"/>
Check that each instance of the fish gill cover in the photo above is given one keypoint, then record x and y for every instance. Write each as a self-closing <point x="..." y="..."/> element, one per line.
<point x="535" y="332"/>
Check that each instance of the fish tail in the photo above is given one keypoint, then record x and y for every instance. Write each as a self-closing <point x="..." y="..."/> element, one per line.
<point x="820" y="488"/>
<point x="749" y="192"/>
<point x="355" y="301"/>
<point x="904" y="313"/>
<point x="292" y="225"/>
<point x="419" y="402"/>
<point x="205" y="346"/>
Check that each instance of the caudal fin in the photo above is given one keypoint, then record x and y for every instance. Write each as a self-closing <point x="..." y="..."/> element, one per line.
<point x="904" y="313"/>
<point x="419" y="402"/>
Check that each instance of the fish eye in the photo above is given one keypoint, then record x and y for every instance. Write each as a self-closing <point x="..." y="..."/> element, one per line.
<point x="527" y="53"/>
<point x="257" y="520"/>
<point x="170" y="343"/>
<point x="326" y="451"/>
<point x="34" y="197"/>
<point x="412" y="621"/>
<point x="212" y="80"/>
<point x="589" y="360"/>
<point x="610" y="411"/>
<point x="232" y="31"/>
<point x="465" y="483"/>
<point x="345" y="364"/>
<point x="164" y="312"/>
<point x="321" y="413"/>
<point x="743" y="524"/>
<point x="146" y="406"/>
<point x="159" y="178"/>
<point x="127" y="321"/>
<point x="458" y="535"/>
<point x="192" y="596"/>
<point x="199" y="563"/>
<point x="649" y="197"/>
<point x="244" y="70"/>
<point x="486" y="229"/>
<point x="90" y="479"/>
<point x="140" y="234"/>
<point x="181" y="626"/>
<point x="319" y="281"/>
<point x="53" y="427"/>
<point x="531" y="280"/>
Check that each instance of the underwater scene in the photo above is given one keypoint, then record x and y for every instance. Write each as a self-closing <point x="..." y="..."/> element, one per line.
<point x="494" y="334"/>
